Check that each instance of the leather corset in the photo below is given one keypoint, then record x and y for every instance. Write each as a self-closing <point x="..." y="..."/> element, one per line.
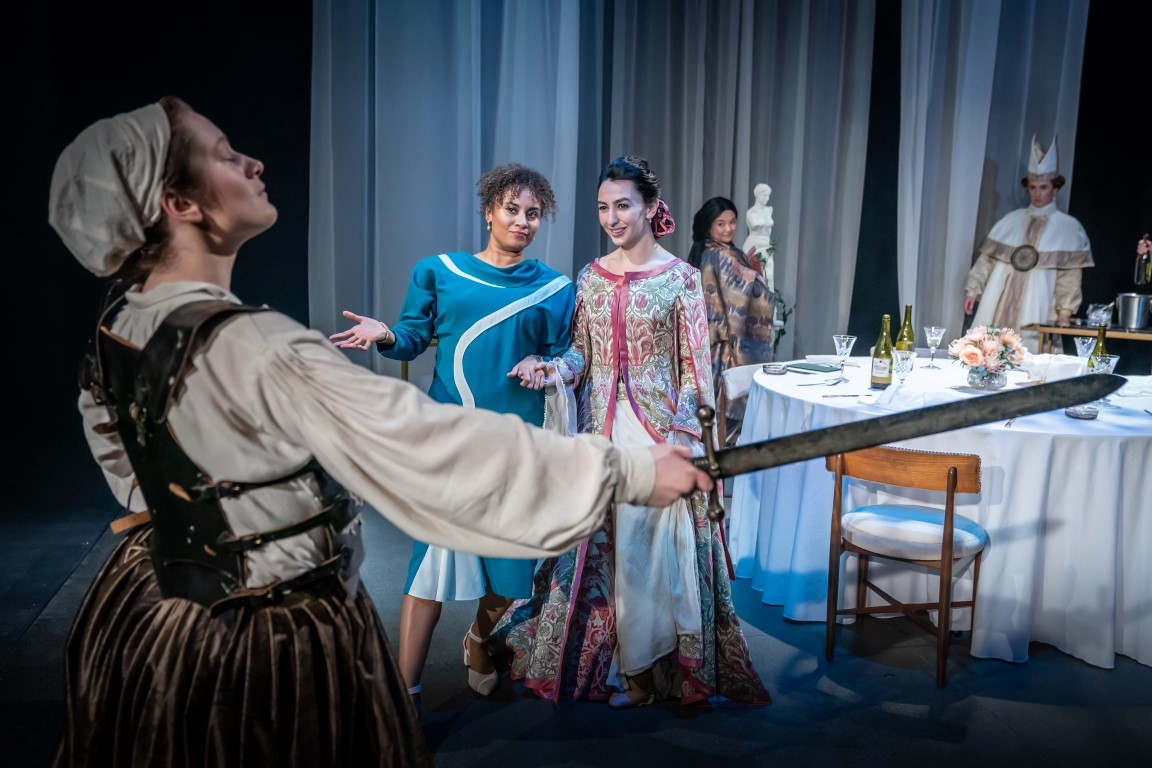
<point x="194" y="551"/>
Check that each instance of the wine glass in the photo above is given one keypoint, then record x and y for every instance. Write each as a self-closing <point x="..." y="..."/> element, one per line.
<point x="1084" y="345"/>
<point x="1103" y="364"/>
<point x="844" y="344"/>
<point x="933" y="333"/>
<point x="902" y="363"/>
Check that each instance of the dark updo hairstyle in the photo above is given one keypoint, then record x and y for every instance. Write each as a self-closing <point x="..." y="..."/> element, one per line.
<point x="180" y="176"/>
<point x="702" y="225"/>
<point x="635" y="169"/>
<point x="510" y="180"/>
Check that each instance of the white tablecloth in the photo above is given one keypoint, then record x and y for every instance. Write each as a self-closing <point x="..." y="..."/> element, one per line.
<point x="1067" y="505"/>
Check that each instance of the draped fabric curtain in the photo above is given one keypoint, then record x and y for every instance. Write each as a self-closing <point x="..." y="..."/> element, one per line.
<point x="978" y="80"/>
<point x="720" y="96"/>
<point x="413" y="102"/>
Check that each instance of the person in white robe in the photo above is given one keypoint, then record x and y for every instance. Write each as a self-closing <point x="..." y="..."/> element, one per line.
<point x="1030" y="266"/>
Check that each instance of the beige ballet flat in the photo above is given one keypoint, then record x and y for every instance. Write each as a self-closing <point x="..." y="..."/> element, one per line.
<point x="629" y="699"/>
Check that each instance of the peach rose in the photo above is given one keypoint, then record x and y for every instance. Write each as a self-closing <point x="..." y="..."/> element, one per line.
<point x="971" y="356"/>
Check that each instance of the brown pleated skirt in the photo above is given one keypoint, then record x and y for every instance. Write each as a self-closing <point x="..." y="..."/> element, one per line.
<point x="150" y="681"/>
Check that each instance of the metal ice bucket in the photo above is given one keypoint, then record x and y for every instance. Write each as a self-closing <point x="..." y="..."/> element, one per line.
<point x="1133" y="310"/>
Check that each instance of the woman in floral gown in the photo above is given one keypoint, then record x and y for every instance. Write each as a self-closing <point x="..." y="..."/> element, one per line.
<point x="644" y="605"/>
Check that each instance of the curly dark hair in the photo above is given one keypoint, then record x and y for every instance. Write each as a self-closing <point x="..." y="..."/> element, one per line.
<point x="505" y="181"/>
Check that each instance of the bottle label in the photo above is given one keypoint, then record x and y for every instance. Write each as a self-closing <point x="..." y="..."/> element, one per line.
<point x="881" y="368"/>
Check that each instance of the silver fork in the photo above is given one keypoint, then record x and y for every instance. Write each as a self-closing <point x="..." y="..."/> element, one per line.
<point x="825" y="383"/>
<point x="1010" y="422"/>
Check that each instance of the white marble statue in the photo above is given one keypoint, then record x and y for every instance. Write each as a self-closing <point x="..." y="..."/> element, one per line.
<point x="759" y="221"/>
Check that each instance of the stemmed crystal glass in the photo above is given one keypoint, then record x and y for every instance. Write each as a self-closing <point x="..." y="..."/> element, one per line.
<point x="844" y="344"/>
<point x="1084" y="345"/>
<point x="1103" y="364"/>
<point x="933" y="333"/>
<point x="902" y="363"/>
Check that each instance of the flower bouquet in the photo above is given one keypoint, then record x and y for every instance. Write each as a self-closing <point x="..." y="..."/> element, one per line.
<point x="987" y="353"/>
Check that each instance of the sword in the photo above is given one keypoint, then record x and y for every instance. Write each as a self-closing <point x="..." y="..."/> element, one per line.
<point x="869" y="433"/>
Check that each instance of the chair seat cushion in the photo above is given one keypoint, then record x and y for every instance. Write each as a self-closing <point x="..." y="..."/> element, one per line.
<point x="910" y="531"/>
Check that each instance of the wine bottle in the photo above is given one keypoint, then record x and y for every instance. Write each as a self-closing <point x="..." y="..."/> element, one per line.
<point x="1099" y="349"/>
<point x="906" y="337"/>
<point x="882" y="356"/>
<point x="1143" y="275"/>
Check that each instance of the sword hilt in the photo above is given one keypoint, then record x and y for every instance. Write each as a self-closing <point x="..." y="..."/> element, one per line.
<point x="707" y="416"/>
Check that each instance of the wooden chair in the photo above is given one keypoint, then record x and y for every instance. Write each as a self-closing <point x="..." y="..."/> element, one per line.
<point x="734" y="384"/>
<point x="910" y="533"/>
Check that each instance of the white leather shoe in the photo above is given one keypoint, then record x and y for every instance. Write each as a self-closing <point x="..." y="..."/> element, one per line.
<point x="484" y="683"/>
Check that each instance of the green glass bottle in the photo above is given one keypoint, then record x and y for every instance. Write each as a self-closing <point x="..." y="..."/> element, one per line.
<point x="1099" y="349"/>
<point x="882" y="356"/>
<point x="1143" y="275"/>
<point x="906" y="337"/>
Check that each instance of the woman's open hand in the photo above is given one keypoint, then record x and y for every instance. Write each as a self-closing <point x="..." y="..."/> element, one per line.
<point x="364" y="334"/>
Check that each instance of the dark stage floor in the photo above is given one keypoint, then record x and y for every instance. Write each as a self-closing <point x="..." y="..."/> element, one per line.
<point x="874" y="704"/>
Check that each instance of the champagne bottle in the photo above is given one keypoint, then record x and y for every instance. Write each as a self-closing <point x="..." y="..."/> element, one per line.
<point x="906" y="337"/>
<point x="882" y="355"/>
<point x="1143" y="275"/>
<point x="1099" y="349"/>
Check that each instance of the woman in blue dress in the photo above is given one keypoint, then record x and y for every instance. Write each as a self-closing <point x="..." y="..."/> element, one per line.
<point x="494" y="315"/>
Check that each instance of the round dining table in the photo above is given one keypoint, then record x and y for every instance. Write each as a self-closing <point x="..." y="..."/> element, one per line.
<point x="1067" y="504"/>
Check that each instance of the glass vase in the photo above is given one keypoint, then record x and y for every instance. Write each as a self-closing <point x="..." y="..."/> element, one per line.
<point x="982" y="378"/>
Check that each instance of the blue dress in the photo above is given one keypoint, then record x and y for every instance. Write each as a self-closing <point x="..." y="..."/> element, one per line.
<point x="485" y="320"/>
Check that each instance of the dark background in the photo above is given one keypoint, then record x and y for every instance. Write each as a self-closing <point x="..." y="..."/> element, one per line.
<point x="247" y="67"/>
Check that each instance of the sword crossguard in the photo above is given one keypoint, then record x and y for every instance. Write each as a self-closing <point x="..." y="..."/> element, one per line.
<point x="707" y="416"/>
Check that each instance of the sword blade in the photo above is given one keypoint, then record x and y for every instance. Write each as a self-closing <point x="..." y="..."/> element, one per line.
<point x="906" y="425"/>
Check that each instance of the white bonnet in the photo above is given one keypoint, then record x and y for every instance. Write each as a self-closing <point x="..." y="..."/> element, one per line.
<point x="106" y="187"/>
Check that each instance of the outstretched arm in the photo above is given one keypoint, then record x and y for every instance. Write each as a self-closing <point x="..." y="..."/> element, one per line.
<point x="364" y="334"/>
<point x="437" y="470"/>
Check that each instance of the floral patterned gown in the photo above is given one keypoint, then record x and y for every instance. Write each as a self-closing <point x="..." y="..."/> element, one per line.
<point x="640" y="342"/>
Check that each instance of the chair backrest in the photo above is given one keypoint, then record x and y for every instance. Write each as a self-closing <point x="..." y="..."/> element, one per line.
<point x="737" y="381"/>
<point x="910" y="468"/>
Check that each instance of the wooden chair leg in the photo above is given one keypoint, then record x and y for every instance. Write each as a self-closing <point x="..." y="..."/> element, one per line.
<point x="943" y="625"/>
<point x="833" y="602"/>
<point x="722" y="421"/>
<point x="861" y="581"/>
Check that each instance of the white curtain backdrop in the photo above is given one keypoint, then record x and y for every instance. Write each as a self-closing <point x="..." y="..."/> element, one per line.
<point x="978" y="79"/>
<point x="413" y="102"/>
<point x="720" y="96"/>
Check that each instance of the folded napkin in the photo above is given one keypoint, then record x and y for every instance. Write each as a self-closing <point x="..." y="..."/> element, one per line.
<point x="898" y="398"/>
<point x="830" y="360"/>
<point x="1137" y="386"/>
<point x="1054" y="367"/>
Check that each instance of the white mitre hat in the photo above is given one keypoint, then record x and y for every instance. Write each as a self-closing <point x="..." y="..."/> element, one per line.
<point x="106" y="187"/>
<point x="1043" y="166"/>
